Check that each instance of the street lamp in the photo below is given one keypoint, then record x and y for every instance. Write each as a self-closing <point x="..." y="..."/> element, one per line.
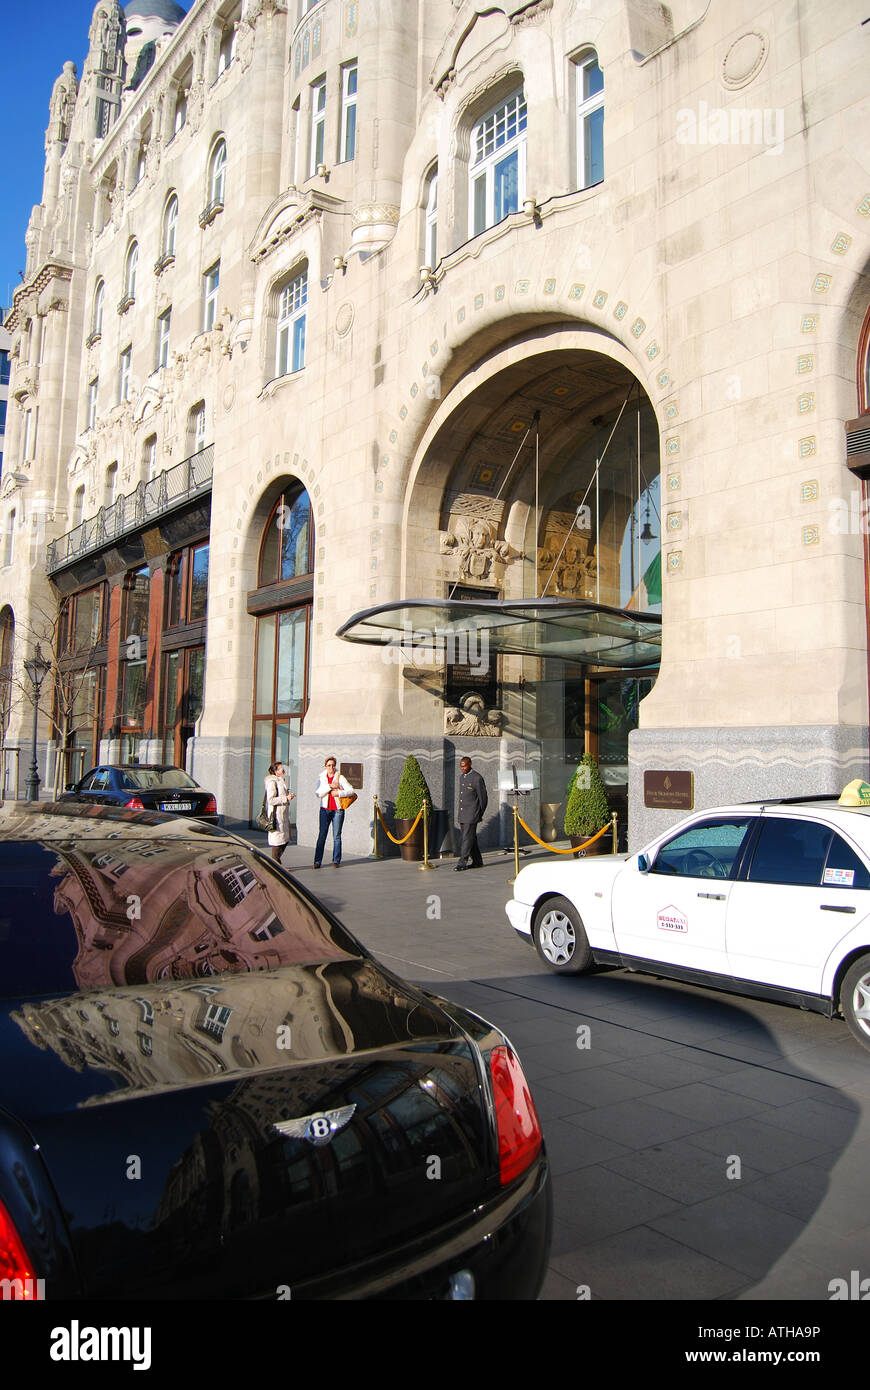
<point x="37" y="669"/>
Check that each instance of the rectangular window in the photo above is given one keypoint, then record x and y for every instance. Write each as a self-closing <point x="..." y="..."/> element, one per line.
<point x="3" y="405"/>
<point x="199" y="429"/>
<point x="88" y="621"/>
<point x="211" y="282"/>
<point x="93" y="386"/>
<point x="124" y="374"/>
<point x="318" y="125"/>
<point x="152" y="466"/>
<point x="163" y="338"/>
<point x="291" y="326"/>
<point x="136" y="618"/>
<point x="26" y="440"/>
<point x="430" y="249"/>
<point x="590" y="123"/>
<point x="4" y="367"/>
<point x="348" y="112"/>
<point x="198" y="584"/>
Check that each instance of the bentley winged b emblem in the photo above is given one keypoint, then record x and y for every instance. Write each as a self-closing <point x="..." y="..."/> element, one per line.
<point x="319" y="1128"/>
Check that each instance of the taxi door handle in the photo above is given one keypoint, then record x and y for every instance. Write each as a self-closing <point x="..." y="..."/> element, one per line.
<point x="831" y="907"/>
<point x="719" y="897"/>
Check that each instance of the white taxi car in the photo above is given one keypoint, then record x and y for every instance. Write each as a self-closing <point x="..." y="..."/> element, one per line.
<point x="770" y="899"/>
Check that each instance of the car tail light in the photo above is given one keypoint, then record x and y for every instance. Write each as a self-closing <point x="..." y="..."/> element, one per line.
<point x="134" y="804"/>
<point x="519" y="1130"/>
<point x="14" y="1260"/>
<point x="210" y="807"/>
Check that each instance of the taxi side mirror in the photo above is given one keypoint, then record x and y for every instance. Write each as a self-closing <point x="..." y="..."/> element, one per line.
<point x="643" y="864"/>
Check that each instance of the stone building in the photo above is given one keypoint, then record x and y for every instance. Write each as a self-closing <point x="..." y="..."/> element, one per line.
<point x="514" y="341"/>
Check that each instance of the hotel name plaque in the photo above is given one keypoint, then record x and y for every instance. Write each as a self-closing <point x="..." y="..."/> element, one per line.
<point x="669" y="791"/>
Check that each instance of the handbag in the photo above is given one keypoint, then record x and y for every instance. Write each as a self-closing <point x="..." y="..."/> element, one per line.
<point x="345" y="801"/>
<point x="266" y="820"/>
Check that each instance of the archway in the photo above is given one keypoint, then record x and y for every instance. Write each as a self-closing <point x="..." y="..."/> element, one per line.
<point x="539" y="480"/>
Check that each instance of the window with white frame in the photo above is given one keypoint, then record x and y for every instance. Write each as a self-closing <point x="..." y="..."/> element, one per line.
<point x="196" y="428"/>
<point x="347" y="147"/>
<point x="180" y="118"/>
<point x="590" y="121"/>
<point x="497" y="174"/>
<point x="217" y="180"/>
<point x="227" y="48"/>
<point x="292" y="301"/>
<point x="210" y="285"/>
<point x="318" y="125"/>
<point x="93" y="388"/>
<point x="163" y="323"/>
<point x="170" y="226"/>
<point x="9" y="538"/>
<point x="78" y="507"/>
<point x="130" y="271"/>
<point x="124" y="364"/>
<point x="27" y="441"/>
<point x="97" y="317"/>
<point x="430" y="240"/>
<point x="298" y="173"/>
<point x="149" y="456"/>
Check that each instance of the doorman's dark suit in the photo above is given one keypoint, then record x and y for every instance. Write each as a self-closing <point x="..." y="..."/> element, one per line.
<point x="472" y="804"/>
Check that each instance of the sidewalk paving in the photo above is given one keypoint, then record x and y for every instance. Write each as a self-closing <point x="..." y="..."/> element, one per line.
<point x="703" y="1146"/>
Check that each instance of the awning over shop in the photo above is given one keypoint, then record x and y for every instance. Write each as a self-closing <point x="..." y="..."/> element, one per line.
<point x="564" y="629"/>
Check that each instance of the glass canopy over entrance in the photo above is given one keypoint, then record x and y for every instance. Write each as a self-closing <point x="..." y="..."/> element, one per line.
<point x="567" y="630"/>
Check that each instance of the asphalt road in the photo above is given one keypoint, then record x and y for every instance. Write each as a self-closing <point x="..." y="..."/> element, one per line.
<point x="703" y="1146"/>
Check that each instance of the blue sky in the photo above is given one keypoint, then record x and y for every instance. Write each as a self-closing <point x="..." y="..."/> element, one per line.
<point x="36" y="43"/>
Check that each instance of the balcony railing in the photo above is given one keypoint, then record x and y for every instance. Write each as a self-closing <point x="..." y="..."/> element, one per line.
<point x="161" y="494"/>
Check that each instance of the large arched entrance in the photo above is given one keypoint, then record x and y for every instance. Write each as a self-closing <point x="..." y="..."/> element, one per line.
<point x="537" y="488"/>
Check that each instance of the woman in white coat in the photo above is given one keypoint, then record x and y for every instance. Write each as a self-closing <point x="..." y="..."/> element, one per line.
<point x="278" y="798"/>
<point x="330" y="787"/>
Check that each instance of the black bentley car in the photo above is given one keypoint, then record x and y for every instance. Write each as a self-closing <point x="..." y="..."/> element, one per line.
<point x="144" y="787"/>
<point x="210" y="1089"/>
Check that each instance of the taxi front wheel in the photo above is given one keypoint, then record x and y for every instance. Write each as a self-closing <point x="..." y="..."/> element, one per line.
<point x="560" y="938"/>
<point x="855" y="999"/>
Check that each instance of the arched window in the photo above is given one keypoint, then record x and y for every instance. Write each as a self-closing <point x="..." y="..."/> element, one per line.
<point x="497" y="165"/>
<point x="130" y="268"/>
<point x="430" y="237"/>
<point x="292" y="301"/>
<point x="217" y="178"/>
<point x="286" y="552"/>
<point x="590" y="121"/>
<point x="97" y="315"/>
<point x="170" y="226"/>
<point x="283" y="634"/>
<point x="78" y="507"/>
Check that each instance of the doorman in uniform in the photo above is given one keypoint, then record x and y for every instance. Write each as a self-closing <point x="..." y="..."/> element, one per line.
<point x="472" y="805"/>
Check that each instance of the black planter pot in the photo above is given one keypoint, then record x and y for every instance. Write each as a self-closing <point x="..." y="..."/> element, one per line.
<point x="412" y="849"/>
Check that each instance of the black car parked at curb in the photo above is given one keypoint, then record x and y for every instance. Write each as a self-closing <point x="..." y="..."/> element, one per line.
<point x="144" y="787"/>
<point x="210" y="1089"/>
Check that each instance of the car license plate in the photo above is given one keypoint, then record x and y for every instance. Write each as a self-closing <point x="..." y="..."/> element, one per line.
<point x="177" y="806"/>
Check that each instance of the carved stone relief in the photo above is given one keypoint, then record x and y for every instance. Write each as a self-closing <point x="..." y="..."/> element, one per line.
<point x="476" y="547"/>
<point x="471" y="719"/>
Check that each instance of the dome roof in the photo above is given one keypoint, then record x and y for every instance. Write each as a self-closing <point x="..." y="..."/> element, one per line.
<point x="163" y="9"/>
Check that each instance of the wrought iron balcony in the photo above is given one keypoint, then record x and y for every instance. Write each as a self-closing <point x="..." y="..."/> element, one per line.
<point x="148" y="503"/>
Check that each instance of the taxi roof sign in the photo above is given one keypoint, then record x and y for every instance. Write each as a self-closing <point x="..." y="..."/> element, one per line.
<point x="856" y="793"/>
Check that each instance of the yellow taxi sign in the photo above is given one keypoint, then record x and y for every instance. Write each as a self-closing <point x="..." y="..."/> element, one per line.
<point x="857" y="793"/>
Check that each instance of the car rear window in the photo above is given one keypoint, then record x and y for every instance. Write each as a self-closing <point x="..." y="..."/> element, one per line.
<point x="93" y="912"/>
<point x="147" y="777"/>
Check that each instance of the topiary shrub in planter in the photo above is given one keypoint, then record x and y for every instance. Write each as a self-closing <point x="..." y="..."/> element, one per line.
<point x="586" y="809"/>
<point x="413" y="791"/>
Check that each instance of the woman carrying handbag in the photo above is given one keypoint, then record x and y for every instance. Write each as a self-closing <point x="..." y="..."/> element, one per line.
<point x="278" y="798"/>
<point x="332" y="789"/>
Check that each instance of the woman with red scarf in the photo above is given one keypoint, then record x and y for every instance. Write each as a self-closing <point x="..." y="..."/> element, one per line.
<point x="329" y="788"/>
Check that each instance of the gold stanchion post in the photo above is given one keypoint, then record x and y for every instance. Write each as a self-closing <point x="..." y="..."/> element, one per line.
<point x="375" y="817"/>
<point x="613" y="826"/>
<point x="426" y="864"/>
<point x="516" y="843"/>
